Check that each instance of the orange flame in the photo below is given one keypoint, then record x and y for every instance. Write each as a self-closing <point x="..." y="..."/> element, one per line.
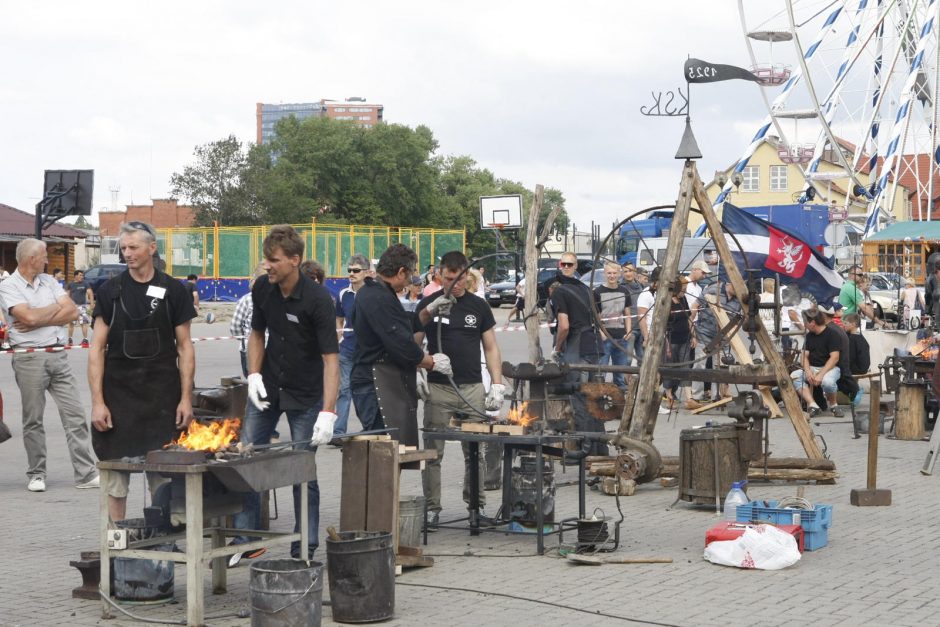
<point x="209" y="437"/>
<point x="925" y="349"/>
<point x="519" y="416"/>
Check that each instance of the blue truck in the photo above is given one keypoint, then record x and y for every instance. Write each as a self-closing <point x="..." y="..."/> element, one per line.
<point x="643" y="242"/>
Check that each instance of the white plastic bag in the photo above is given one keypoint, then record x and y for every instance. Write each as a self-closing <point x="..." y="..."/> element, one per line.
<point x="764" y="547"/>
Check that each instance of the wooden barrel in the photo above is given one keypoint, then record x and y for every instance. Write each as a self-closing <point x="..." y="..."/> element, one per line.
<point x="697" y="472"/>
<point x="909" y="422"/>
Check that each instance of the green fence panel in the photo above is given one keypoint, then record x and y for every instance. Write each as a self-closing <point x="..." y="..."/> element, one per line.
<point x="235" y="258"/>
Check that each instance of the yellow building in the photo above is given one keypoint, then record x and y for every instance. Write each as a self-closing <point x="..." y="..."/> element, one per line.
<point x="769" y="180"/>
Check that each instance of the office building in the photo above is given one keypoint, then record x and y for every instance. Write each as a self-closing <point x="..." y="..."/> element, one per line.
<point x="353" y="109"/>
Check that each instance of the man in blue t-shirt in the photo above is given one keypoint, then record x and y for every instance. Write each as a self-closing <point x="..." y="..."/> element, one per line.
<point x="358" y="268"/>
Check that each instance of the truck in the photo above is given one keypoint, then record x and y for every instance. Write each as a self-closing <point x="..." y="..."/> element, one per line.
<point x="643" y="241"/>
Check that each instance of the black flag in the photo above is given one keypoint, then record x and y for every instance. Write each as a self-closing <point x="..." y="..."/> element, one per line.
<point x="698" y="71"/>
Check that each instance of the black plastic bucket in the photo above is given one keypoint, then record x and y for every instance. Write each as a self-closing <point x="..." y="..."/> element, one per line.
<point x="361" y="565"/>
<point x="285" y="592"/>
<point x="142" y="580"/>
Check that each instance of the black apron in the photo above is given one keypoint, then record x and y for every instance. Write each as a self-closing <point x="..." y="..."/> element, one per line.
<point x="397" y="396"/>
<point x="141" y="379"/>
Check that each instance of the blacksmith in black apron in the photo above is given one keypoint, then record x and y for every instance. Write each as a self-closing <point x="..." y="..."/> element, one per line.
<point x="382" y="382"/>
<point x="142" y="362"/>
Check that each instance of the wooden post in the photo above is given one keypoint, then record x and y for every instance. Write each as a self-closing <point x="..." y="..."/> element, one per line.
<point x="790" y="399"/>
<point x="872" y="495"/>
<point x="641" y="423"/>
<point x="909" y="424"/>
<point x="532" y="275"/>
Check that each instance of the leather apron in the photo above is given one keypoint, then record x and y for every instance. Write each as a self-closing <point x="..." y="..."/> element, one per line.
<point x="141" y="379"/>
<point x="397" y="394"/>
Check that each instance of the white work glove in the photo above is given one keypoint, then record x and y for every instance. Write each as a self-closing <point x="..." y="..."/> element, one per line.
<point x="323" y="429"/>
<point x="558" y="357"/>
<point x="256" y="391"/>
<point x="424" y="392"/>
<point x="442" y="364"/>
<point x="440" y="305"/>
<point x="494" y="399"/>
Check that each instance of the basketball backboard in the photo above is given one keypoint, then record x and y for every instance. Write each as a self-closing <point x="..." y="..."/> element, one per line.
<point x="68" y="192"/>
<point x="501" y="212"/>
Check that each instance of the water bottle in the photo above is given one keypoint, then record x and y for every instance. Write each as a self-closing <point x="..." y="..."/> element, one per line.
<point x="736" y="496"/>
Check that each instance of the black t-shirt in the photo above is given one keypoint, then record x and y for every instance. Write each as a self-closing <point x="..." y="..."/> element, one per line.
<point x="821" y="345"/>
<point x="78" y="291"/>
<point x="611" y="303"/>
<point x="859" y="354"/>
<point x="139" y="303"/>
<point x="678" y="327"/>
<point x="844" y="347"/>
<point x="572" y="297"/>
<point x="461" y="334"/>
<point x="301" y="328"/>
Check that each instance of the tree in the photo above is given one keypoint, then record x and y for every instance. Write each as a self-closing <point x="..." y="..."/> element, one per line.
<point x="213" y="185"/>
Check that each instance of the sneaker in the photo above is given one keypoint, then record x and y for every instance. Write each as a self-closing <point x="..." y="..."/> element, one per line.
<point x="92" y="483"/>
<point x="814" y="411"/>
<point x="235" y="559"/>
<point x="5" y="346"/>
<point x="485" y="521"/>
<point x="664" y="410"/>
<point x="337" y="442"/>
<point x="85" y="343"/>
<point x="706" y="397"/>
<point x="36" y="484"/>
<point x="837" y="411"/>
<point x="432" y="521"/>
<point x="857" y="401"/>
<point x="69" y="342"/>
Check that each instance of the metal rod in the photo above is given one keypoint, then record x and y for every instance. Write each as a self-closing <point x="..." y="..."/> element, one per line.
<point x="341" y="436"/>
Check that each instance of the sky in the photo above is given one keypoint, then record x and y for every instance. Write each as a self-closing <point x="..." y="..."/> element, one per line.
<point x="540" y="92"/>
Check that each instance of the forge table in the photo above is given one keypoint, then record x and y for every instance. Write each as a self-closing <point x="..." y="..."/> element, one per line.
<point x="258" y="473"/>
<point x="540" y="444"/>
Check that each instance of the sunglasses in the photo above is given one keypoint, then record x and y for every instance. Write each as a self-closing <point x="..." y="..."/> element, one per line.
<point x="354" y="270"/>
<point x="566" y="264"/>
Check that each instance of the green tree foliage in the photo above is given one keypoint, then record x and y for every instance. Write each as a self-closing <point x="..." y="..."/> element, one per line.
<point x="213" y="184"/>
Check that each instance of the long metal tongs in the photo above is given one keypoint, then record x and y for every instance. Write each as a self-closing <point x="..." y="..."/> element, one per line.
<point x="342" y="436"/>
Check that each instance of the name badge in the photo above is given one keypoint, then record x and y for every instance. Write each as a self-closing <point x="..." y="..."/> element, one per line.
<point x="292" y="318"/>
<point x="156" y="292"/>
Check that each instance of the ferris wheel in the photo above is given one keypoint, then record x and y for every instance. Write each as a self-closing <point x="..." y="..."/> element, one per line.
<point x="850" y="88"/>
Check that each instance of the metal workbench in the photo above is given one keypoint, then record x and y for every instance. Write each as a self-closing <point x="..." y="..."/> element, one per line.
<point x="540" y="444"/>
<point x="196" y="555"/>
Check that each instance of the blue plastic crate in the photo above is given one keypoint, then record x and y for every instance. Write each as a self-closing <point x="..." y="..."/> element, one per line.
<point x="818" y="520"/>
<point x="815" y="539"/>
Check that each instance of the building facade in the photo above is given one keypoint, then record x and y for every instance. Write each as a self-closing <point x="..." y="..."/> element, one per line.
<point x="353" y="109"/>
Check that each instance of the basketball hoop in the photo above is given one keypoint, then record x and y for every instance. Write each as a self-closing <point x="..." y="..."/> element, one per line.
<point x="496" y="225"/>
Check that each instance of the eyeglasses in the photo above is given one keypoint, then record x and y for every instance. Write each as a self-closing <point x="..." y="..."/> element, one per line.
<point x="354" y="270"/>
<point x="566" y="264"/>
<point x="141" y="226"/>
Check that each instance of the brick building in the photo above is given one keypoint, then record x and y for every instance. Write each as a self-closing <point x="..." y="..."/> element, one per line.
<point x="353" y="109"/>
<point x="16" y="225"/>
<point x="162" y="214"/>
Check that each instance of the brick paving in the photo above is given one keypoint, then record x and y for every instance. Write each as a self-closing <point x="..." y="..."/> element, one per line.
<point x="876" y="569"/>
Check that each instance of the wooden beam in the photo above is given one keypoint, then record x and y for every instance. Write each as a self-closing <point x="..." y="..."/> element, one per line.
<point x="791" y="400"/>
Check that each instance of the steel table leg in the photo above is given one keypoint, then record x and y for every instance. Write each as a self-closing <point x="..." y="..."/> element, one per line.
<point x="303" y="524"/>
<point x="195" y="599"/>
<point x="473" y="446"/>
<point x="539" y="465"/>
<point x="508" y="450"/>
<point x="104" y="585"/>
<point x="581" y="499"/>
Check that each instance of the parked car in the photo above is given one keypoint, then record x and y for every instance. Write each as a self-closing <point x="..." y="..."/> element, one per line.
<point x="501" y="293"/>
<point x="884" y="295"/>
<point x="96" y="275"/>
<point x="594" y="278"/>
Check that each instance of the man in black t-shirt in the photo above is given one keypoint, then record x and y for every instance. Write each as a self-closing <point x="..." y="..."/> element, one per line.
<point x="820" y="361"/>
<point x="141" y="363"/>
<point x="466" y="325"/>
<point x="84" y="298"/>
<point x="613" y="302"/>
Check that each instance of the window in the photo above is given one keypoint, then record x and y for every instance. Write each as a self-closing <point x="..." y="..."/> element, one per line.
<point x="751" y="179"/>
<point x="778" y="178"/>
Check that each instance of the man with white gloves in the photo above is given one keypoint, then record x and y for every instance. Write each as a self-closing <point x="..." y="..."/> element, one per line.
<point x="382" y="381"/>
<point x="466" y="322"/>
<point x="296" y="374"/>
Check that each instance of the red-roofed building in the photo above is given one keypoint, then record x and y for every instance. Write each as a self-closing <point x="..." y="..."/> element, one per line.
<point x="16" y="225"/>
<point x="162" y="214"/>
<point x="914" y="176"/>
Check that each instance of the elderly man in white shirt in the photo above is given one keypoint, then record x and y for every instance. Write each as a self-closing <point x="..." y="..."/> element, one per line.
<point x="37" y="308"/>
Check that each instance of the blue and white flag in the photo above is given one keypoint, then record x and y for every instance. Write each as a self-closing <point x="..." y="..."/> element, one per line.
<point x="773" y="251"/>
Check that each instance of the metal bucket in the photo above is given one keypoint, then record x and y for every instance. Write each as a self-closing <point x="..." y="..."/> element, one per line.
<point x="410" y="520"/>
<point x="525" y="498"/>
<point x="361" y="565"/>
<point x="285" y="592"/>
<point x="141" y="580"/>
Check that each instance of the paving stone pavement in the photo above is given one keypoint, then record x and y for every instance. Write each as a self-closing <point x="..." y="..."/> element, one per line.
<point x="876" y="569"/>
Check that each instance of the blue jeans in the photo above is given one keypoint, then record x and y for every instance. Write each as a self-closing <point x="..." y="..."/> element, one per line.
<point x="257" y="430"/>
<point x="617" y="357"/>
<point x="345" y="396"/>
<point x="367" y="406"/>
<point x="637" y="343"/>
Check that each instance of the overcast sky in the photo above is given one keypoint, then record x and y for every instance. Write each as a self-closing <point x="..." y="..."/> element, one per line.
<point x="541" y="92"/>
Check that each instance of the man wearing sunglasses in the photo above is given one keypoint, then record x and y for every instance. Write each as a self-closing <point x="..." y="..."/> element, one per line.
<point x="357" y="268"/>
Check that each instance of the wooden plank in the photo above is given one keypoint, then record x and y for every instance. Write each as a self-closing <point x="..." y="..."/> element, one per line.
<point x="475" y="427"/>
<point x="713" y="405"/>
<point x="355" y="475"/>
<point x="509" y="429"/>
<point x="790" y="398"/>
<point x="413" y="561"/>
<point x="382" y="488"/>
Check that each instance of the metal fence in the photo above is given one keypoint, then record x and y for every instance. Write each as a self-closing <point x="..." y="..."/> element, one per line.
<point x="235" y="251"/>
